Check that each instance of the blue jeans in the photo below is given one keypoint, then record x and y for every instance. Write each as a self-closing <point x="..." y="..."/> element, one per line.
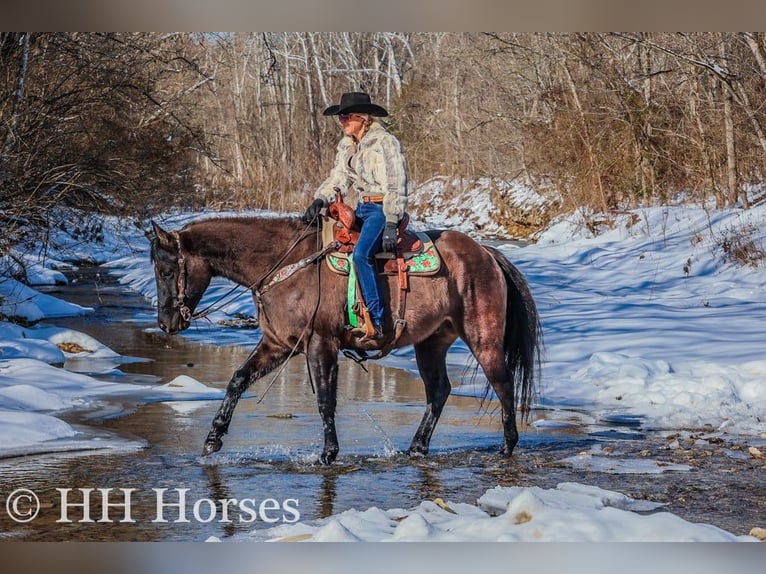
<point x="373" y="224"/>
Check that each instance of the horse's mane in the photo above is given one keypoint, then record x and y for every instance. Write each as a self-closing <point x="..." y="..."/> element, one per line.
<point x="240" y="219"/>
<point x="219" y="235"/>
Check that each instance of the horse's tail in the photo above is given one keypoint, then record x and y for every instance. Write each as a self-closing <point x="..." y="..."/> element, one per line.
<point x="523" y="337"/>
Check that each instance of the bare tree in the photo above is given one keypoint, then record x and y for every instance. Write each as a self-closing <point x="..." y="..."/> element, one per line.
<point x="140" y="121"/>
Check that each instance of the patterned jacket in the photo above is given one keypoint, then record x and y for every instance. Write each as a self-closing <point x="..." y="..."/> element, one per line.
<point x="373" y="167"/>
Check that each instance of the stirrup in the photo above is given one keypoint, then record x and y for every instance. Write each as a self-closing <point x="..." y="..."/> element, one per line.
<point x="376" y="335"/>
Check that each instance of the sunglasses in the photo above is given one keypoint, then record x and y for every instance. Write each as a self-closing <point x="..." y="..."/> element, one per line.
<point x="346" y="117"/>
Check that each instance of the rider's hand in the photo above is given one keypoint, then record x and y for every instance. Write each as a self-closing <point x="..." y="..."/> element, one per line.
<point x="313" y="211"/>
<point x="389" y="238"/>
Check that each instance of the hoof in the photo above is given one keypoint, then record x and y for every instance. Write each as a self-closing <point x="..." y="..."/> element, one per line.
<point x="506" y="451"/>
<point x="212" y="446"/>
<point x="328" y="458"/>
<point x="417" y="451"/>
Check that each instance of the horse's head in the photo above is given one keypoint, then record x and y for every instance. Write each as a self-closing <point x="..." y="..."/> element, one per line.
<point x="181" y="279"/>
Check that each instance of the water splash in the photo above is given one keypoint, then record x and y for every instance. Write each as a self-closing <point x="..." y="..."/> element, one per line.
<point x="389" y="450"/>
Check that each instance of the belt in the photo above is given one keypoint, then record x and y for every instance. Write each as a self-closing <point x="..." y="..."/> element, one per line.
<point x="371" y="199"/>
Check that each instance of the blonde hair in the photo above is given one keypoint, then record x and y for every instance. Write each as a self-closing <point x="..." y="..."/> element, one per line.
<point x="368" y="121"/>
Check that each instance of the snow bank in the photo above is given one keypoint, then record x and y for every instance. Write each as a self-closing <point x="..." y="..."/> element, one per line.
<point x="569" y="513"/>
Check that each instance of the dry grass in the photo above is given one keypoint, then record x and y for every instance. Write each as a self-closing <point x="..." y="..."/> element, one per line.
<point x="741" y="247"/>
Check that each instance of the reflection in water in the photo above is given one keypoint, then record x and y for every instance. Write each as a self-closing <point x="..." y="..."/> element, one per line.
<point x="218" y="490"/>
<point x="429" y="483"/>
<point x="327" y="494"/>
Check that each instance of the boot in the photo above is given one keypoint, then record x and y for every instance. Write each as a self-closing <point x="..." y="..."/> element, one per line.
<point x="375" y="336"/>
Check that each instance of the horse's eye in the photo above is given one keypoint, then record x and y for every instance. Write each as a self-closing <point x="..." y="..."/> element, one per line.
<point x="166" y="274"/>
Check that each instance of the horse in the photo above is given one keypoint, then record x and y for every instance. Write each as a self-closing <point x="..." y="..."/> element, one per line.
<point x="477" y="295"/>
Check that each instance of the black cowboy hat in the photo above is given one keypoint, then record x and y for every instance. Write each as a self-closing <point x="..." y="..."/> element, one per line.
<point x="355" y="103"/>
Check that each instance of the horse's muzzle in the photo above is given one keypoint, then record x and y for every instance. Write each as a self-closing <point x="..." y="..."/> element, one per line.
<point x="174" y="325"/>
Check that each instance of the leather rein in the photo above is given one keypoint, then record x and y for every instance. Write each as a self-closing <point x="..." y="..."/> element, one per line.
<point x="277" y="273"/>
<point x="183" y="308"/>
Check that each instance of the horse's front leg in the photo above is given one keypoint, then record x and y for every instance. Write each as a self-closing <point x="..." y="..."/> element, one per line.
<point x="322" y="360"/>
<point x="266" y="357"/>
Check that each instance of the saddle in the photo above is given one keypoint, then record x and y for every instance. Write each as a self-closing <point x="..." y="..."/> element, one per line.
<point x="415" y="251"/>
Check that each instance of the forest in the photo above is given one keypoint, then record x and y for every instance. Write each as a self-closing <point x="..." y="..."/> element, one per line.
<point x="137" y="123"/>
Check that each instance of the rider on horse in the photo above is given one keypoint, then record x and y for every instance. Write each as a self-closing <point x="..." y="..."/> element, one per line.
<point x="371" y="172"/>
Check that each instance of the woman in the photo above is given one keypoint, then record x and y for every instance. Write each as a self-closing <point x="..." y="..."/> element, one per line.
<point x="369" y="162"/>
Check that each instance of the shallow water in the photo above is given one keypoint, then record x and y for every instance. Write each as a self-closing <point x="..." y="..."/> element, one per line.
<point x="271" y="450"/>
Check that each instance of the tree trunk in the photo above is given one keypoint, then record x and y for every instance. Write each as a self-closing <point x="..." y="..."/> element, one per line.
<point x="313" y="125"/>
<point x="757" y="50"/>
<point x="645" y="167"/>
<point x="18" y="94"/>
<point x="704" y="148"/>
<point x="731" y="148"/>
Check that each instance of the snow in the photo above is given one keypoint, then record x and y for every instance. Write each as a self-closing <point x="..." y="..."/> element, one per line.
<point x="442" y="203"/>
<point x="646" y="321"/>
<point x="184" y="386"/>
<point x="596" y="459"/>
<point x="650" y="320"/>
<point x="19" y="300"/>
<point x="568" y="513"/>
<point x="34" y="388"/>
<point x="35" y="428"/>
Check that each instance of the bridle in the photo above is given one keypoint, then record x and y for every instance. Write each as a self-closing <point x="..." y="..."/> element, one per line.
<point x="183" y="308"/>
<point x="276" y="272"/>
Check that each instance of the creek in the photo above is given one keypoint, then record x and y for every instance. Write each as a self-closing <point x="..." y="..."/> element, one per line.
<point x="270" y="454"/>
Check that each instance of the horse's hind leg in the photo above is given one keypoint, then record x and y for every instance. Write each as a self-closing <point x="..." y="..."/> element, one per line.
<point x="260" y="363"/>
<point x="485" y="340"/>
<point x="431" y="357"/>
<point x="492" y="361"/>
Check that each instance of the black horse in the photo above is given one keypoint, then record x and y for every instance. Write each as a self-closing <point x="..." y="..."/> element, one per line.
<point x="477" y="295"/>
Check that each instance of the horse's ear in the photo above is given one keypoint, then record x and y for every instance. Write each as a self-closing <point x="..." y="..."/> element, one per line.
<point x="164" y="238"/>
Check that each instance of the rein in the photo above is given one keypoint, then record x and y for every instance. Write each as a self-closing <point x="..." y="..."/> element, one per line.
<point x="281" y="275"/>
<point x="278" y="275"/>
<point x="289" y="270"/>
<point x="183" y="308"/>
